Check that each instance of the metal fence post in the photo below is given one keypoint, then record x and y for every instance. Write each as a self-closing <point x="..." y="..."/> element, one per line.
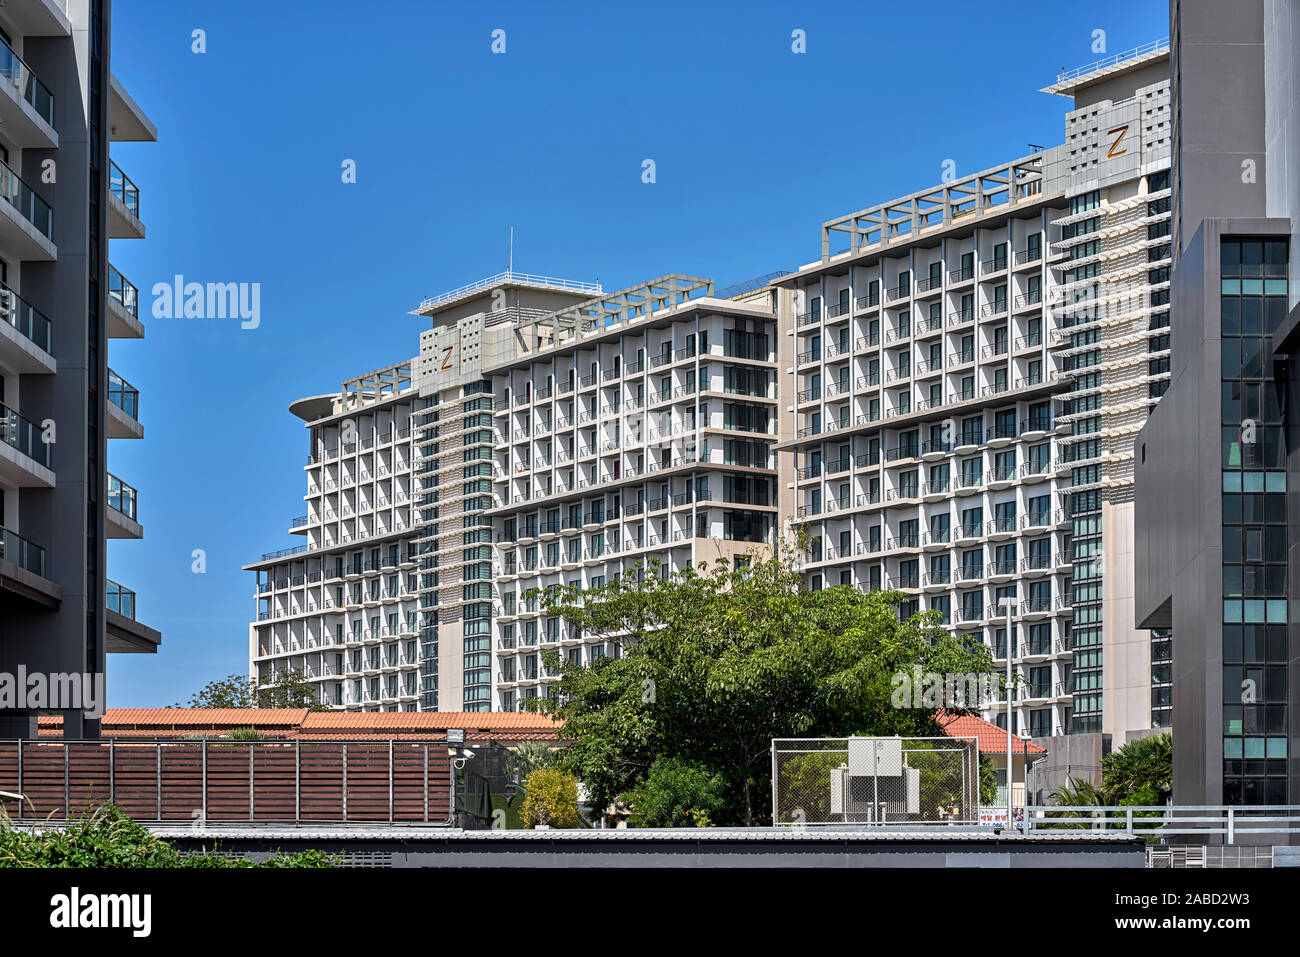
<point x="204" y="751"/>
<point x="775" y="822"/>
<point x="1231" y="825"/>
<point x="297" y="781"/>
<point x="426" y="782"/>
<point x="67" y="799"/>
<point x="157" y="768"/>
<point x="251" y="792"/>
<point x="20" y="777"/>
<point x="112" y="768"/>
<point x="1128" y="821"/>
<point x="345" y="782"/>
<point x="390" y="780"/>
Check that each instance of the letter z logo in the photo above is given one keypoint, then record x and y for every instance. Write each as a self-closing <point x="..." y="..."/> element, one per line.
<point x="1114" y="147"/>
<point x="446" y="357"/>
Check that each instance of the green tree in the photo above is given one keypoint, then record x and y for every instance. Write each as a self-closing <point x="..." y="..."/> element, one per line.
<point x="1144" y="766"/>
<point x="552" y="798"/>
<point x="677" y="793"/>
<point x="232" y="691"/>
<point x="719" y="660"/>
<point x="988" y="780"/>
<point x="289" y="690"/>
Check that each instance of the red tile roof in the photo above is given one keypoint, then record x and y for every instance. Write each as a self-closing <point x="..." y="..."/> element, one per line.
<point x="992" y="739"/>
<point x="428" y="721"/>
<point x="316" y="725"/>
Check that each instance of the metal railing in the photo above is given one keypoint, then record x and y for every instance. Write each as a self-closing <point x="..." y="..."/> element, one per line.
<point x="121" y="497"/>
<point x="22" y="435"/>
<point x="22" y="198"/>
<point x="18" y="313"/>
<point x="1225" y="821"/>
<point x="19" y="551"/>
<point x="120" y="185"/>
<point x="122" y="290"/>
<point x="20" y="76"/>
<point x="119" y="599"/>
<point x="516" y="277"/>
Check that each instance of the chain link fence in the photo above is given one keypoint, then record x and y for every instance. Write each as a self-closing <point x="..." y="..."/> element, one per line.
<point x="874" y="780"/>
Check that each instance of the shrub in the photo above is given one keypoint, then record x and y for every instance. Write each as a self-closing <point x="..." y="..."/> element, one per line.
<point x="552" y="798"/>
<point x="105" y="837"/>
<point x="677" y="793"/>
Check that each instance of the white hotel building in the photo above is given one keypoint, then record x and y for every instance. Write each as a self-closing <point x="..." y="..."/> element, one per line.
<point x="947" y="407"/>
<point x="970" y="374"/>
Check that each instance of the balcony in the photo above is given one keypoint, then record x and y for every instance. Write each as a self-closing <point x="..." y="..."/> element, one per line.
<point x="123" y="409"/>
<point x="26" y="104"/>
<point x="24" y="456"/>
<point x="25" y="336"/>
<point x="123" y="205"/>
<point x="123" y="308"/>
<point x="17" y="550"/>
<point x="123" y="521"/>
<point x="127" y="123"/>
<point x="26" y="220"/>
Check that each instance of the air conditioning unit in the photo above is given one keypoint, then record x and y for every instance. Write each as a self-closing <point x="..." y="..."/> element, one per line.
<point x="874" y="785"/>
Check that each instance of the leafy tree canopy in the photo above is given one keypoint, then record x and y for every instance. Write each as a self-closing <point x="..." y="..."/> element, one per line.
<point x="289" y="690"/>
<point x="716" y="661"/>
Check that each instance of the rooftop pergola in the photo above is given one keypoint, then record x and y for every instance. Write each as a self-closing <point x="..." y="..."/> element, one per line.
<point x="536" y="333"/>
<point x="1004" y="185"/>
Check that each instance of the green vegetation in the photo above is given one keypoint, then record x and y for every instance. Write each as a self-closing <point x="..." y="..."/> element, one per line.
<point x="1141" y="772"/>
<point x="677" y="793"/>
<point x="105" y="837"/>
<point x="718" y="661"/>
<point x="289" y="690"/>
<point x="552" y="799"/>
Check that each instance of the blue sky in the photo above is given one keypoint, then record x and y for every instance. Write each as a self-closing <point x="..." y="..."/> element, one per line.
<point x="754" y="145"/>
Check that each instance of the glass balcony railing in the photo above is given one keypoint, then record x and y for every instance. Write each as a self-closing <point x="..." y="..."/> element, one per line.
<point x="121" y="496"/>
<point x="123" y="395"/>
<point x="21" y="197"/>
<point x="120" y="185"/>
<point x="17" y="550"/>
<point x="18" y="313"/>
<point x="123" y="292"/>
<point x="20" y="76"/>
<point x="23" y="435"/>
<point x="119" y="599"/>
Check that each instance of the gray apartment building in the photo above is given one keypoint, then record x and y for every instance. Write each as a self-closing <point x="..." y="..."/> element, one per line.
<point x="61" y="302"/>
<point x="1217" y="510"/>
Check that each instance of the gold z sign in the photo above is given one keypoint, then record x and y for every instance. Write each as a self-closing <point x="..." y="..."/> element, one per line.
<point x="1114" y="146"/>
<point x="446" y="357"/>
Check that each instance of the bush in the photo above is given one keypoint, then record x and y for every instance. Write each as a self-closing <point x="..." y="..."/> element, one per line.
<point x="105" y="837"/>
<point x="677" y="793"/>
<point x="552" y="798"/>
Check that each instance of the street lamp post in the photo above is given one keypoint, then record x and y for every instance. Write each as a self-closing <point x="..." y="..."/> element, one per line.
<point x="1010" y="755"/>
